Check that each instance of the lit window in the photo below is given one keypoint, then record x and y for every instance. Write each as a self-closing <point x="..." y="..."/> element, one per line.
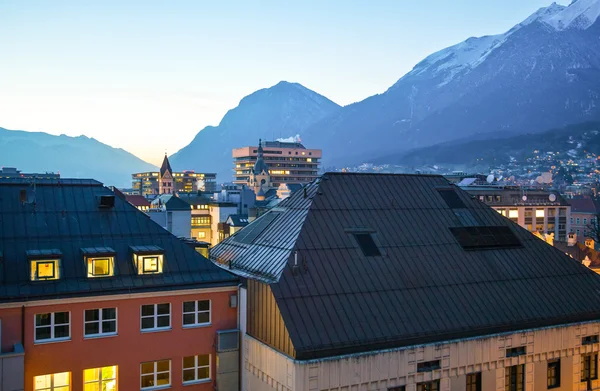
<point x="201" y="235"/>
<point x="52" y="326"/>
<point x="156" y="317"/>
<point x="539" y="213"/>
<point x="148" y="259"/>
<point x="44" y="270"/>
<point x="196" y="313"/>
<point x="100" y="322"/>
<point x="155" y="374"/>
<point x="54" y="382"/>
<point x="149" y="264"/>
<point x="104" y="379"/>
<point x="513" y="213"/>
<point x="100" y="267"/>
<point x="309" y="160"/>
<point x="196" y="368"/>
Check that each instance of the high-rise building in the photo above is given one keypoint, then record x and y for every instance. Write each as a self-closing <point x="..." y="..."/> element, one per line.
<point x="287" y="162"/>
<point x="166" y="181"/>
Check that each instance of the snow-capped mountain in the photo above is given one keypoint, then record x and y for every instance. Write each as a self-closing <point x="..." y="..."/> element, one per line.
<point x="279" y="111"/>
<point x="542" y="73"/>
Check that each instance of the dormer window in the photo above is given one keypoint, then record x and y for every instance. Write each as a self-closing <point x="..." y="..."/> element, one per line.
<point x="100" y="261"/>
<point x="148" y="259"/>
<point x="44" y="264"/>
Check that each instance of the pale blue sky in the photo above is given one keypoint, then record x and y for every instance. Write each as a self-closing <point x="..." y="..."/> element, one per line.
<point x="146" y="76"/>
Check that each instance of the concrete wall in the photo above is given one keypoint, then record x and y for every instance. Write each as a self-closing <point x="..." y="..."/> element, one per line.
<point x="12" y="370"/>
<point x="265" y="368"/>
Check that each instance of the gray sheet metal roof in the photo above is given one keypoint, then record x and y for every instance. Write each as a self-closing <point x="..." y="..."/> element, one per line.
<point x="97" y="250"/>
<point x="66" y="217"/>
<point x="425" y="287"/>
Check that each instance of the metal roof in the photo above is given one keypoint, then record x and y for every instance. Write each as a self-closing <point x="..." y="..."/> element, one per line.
<point x="424" y="288"/>
<point x="67" y="218"/>
<point x="97" y="250"/>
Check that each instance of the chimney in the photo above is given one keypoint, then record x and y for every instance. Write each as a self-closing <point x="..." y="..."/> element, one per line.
<point x="295" y="268"/>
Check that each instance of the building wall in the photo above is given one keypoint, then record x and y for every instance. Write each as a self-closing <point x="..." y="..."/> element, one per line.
<point x="130" y="347"/>
<point x="583" y="227"/>
<point x="219" y="214"/>
<point x="547" y="219"/>
<point x="268" y="369"/>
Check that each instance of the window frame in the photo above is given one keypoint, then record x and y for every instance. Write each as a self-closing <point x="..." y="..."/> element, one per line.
<point x="155" y="373"/>
<point x="90" y="265"/>
<point x="52" y="326"/>
<point x="101" y="380"/>
<point x="100" y="321"/>
<point x="196" y="368"/>
<point x="431" y="385"/>
<point x="55" y="269"/>
<point x="553" y="365"/>
<point x="52" y="386"/>
<point x="145" y="269"/>
<point x="155" y="316"/>
<point x="509" y="386"/>
<point x="473" y="385"/>
<point x="196" y="313"/>
<point x="587" y="359"/>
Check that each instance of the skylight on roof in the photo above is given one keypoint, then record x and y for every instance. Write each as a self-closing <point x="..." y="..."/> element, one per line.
<point x="252" y="231"/>
<point x="367" y="244"/>
<point x="485" y="237"/>
<point x="451" y="198"/>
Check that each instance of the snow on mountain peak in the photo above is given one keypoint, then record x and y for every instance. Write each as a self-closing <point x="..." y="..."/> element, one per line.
<point x="580" y="14"/>
<point x="543" y="13"/>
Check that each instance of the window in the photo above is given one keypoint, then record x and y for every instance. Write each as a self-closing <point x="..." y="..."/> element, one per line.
<point x="100" y="379"/>
<point x="367" y="245"/>
<point x="485" y="237"/>
<point x="201" y="220"/>
<point x="150" y="264"/>
<point x="571" y="220"/>
<point x="514" y="378"/>
<point x="513" y="213"/>
<point x="452" y="199"/>
<point x="584" y="221"/>
<point x="46" y="269"/>
<point x="589" y="367"/>
<point x="562" y="212"/>
<point x="54" y="382"/>
<point x="148" y="259"/>
<point x="52" y="326"/>
<point x="196" y="368"/>
<point x="590" y="339"/>
<point x="100" y="267"/>
<point x="528" y="212"/>
<point x="196" y="313"/>
<point x="397" y="388"/>
<point x="100" y="322"/>
<point x="578" y="220"/>
<point x="539" y="213"/>
<point x="155" y="374"/>
<point x="428" y="366"/>
<point x="429" y="386"/>
<point x="156" y="316"/>
<point x="497" y="198"/>
<point x="554" y="373"/>
<point x="474" y="381"/>
<point x="489" y="198"/>
<point x="514" y="352"/>
<point x="201" y="235"/>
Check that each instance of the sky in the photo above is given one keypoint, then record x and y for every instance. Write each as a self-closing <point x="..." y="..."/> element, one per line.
<point x="146" y="76"/>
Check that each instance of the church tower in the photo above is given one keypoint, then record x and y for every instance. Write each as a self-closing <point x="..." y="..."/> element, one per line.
<point x="165" y="178"/>
<point x="260" y="179"/>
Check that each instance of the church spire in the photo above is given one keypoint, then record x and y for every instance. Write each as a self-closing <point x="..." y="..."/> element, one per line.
<point x="166" y="166"/>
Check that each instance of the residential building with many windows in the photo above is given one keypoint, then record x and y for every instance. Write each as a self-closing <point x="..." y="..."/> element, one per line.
<point x="285" y="162"/>
<point x="96" y="296"/>
<point x="418" y="288"/>
<point x="583" y="218"/>
<point x="166" y="181"/>
<point x="544" y="212"/>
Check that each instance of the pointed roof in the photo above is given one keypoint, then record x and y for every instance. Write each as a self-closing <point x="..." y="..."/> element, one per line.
<point x="166" y="166"/>
<point x="260" y="164"/>
<point x="439" y="266"/>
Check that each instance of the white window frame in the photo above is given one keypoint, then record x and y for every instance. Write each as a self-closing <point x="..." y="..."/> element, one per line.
<point x="196" y="312"/>
<point x="99" y="321"/>
<point x="52" y="326"/>
<point x="155" y="317"/>
<point x="155" y="363"/>
<point x="100" y="381"/>
<point x="196" y="368"/>
<point x="52" y="386"/>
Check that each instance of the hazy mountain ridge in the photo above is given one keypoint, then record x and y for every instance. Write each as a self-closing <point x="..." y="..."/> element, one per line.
<point x="533" y="77"/>
<point x="73" y="157"/>
<point x="283" y="110"/>
<point x="569" y="141"/>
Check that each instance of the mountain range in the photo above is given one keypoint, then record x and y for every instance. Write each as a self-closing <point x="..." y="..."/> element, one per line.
<point x="73" y="157"/>
<point x="543" y="73"/>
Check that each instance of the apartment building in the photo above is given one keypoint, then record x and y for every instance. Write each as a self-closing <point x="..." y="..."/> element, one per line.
<point x="420" y="287"/>
<point x="166" y="181"/>
<point x="545" y="212"/>
<point x="285" y="162"/>
<point x="583" y="217"/>
<point x="96" y="296"/>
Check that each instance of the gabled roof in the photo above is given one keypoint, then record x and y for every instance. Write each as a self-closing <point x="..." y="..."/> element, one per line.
<point x="582" y="205"/>
<point x="425" y="287"/>
<point x="238" y="220"/>
<point x="166" y="166"/>
<point x="66" y="219"/>
<point x="137" y="200"/>
<point x="171" y="202"/>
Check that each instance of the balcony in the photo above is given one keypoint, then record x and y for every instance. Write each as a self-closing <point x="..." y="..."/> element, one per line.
<point x="12" y="369"/>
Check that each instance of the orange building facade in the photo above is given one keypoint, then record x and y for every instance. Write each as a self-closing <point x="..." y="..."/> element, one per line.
<point x="128" y="348"/>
